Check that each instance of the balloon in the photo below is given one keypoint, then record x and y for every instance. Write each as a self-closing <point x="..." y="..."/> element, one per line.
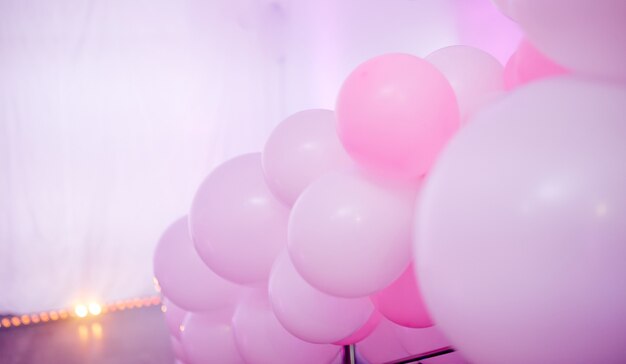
<point x="262" y="339"/>
<point x="174" y="317"/>
<point x="208" y="338"/>
<point x="349" y="235"/>
<point x="312" y="315"/>
<point x="382" y="345"/>
<point x="177" y="349"/>
<point x="583" y="35"/>
<point x="475" y="76"/>
<point x="521" y="236"/>
<point x="300" y="149"/>
<point x="180" y="272"/>
<point x="528" y="64"/>
<point x="237" y="225"/>
<point x="401" y="302"/>
<point x="394" y="114"/>
<point x="363" y="332"/>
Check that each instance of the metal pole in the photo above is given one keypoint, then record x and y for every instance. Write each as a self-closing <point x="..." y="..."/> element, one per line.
<point x="349" y="356"/>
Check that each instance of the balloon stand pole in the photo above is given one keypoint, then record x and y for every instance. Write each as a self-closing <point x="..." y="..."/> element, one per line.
<point x="424" y="356"/>
<point x="349" y="356"/>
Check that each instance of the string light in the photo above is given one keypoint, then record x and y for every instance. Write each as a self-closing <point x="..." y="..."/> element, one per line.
<point x="15" y="321"/>
<point x="25" y="319"/>
<point x="6" y="322"/>
<point x="95" y="309"/>
<point x="79" y="311"/>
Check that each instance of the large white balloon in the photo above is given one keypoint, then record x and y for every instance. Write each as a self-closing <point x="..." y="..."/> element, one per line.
<point x="521" y="236"/>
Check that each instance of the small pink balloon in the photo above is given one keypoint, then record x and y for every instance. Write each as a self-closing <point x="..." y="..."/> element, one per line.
<point x="520" y="237"/>
<point x="401" y="302"/>
<point x="177" y="349"/>
<point x="208" y="338"/>
<point x="349" y="235"/>
<point x="299" y="150"/>
<point x="382" y="345"/>
<point x="180" y="273"/>
<point x="395" y="113"/>
<point x="262" y="339"/>
<point x="527" y="64"/>
<point x="312" y="315"/>
<point x="363" y="332"/>
<point x="237" y="224"/>
<point x="475" y="76"/>
<point x="174" y="317"/>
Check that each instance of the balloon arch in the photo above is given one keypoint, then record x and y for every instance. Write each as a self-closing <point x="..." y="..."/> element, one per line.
<point x="447" y="189"/>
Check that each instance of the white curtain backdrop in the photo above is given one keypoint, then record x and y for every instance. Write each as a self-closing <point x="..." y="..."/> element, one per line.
<point x="112" y="111"/>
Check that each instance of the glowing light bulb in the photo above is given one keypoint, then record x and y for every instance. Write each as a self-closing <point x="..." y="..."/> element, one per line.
<point x="25" y="319"/>
<point x="6" y="322"/>
<point x="16" y="321"/>
<point x="81" y="311"/>
<point x="95" y="309"/>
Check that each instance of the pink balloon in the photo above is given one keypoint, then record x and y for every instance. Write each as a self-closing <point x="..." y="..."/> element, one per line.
<point x="349" y="235"/>
<point x="237" y="225"/>
<point x="402" y="303"/>
<point x="174" y="317"/>
<point x="262" y="339"/>
<point x="208" y="338"/>
<point x="181" y="273"/>
<point x="527" y="64"/>
<point x="475" y="76"/>
<point x="300" y="149"/>
<point x="178" y="350"/>
<point x="521" y="237"/>
<point x="382" y="345"/>
<point x="395" y="113"/>
<point x="312" y="315"/>
<point x="588" y="37"/>
<point x="363" y="332"/>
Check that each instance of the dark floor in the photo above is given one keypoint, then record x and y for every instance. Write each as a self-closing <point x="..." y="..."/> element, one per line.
<point x="137" y="336"/>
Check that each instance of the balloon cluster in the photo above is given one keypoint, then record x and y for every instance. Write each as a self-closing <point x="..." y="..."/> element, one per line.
<point x="490" y="200"/>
